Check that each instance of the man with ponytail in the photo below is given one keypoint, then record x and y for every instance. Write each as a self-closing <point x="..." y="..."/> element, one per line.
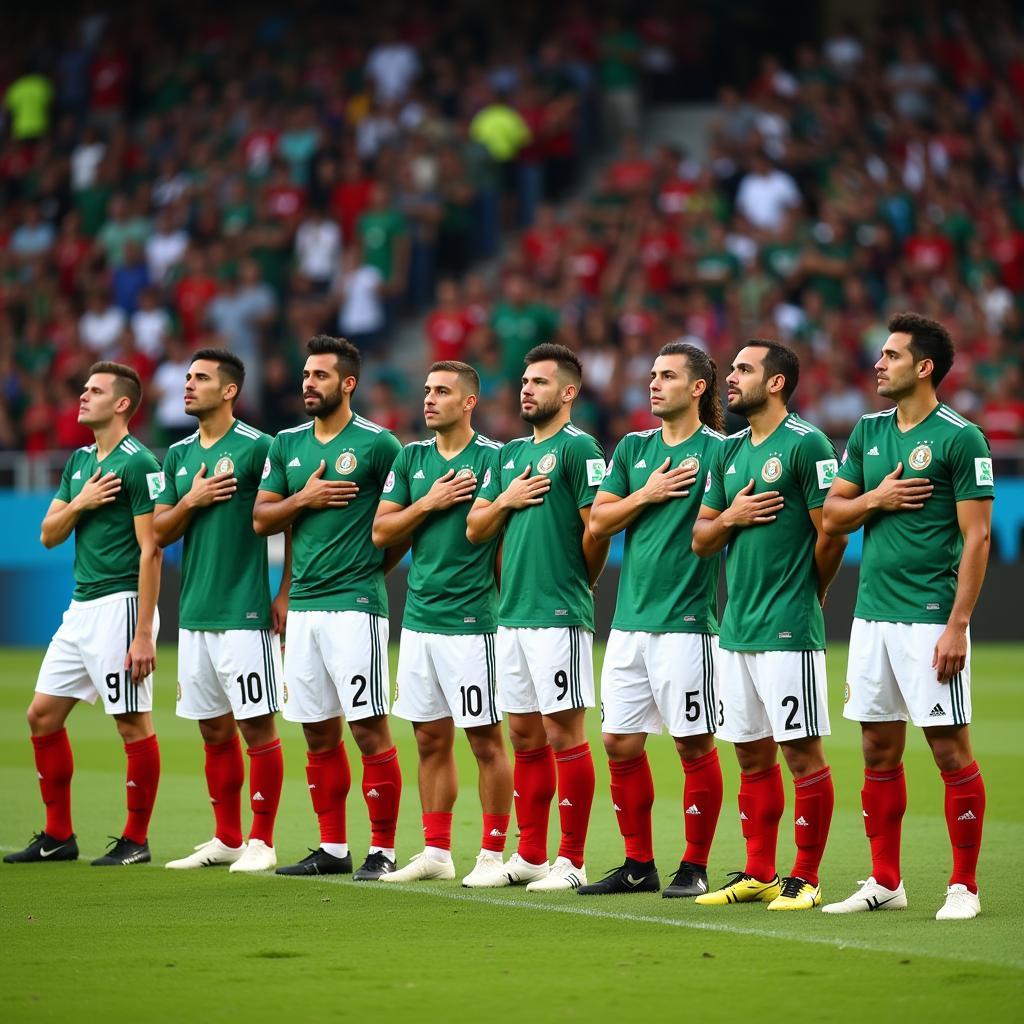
<point x="661" y="664"/>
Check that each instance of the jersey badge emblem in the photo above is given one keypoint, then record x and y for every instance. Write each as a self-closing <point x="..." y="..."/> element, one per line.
<point x="771" y="470"/>
<point x="920" y="457"/>
<point x="546" y="463"/>
<point x="224" y="465"/>
<point x="690" y="465"/>
<point x="346" y="463"/>
<point x="464" y="472"/>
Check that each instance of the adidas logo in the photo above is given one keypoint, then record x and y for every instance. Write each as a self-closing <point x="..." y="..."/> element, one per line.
<point x="566" y="803"/>
<point x="39" y="775"/>
<point x="873" y="450"/>
<point x="803" y="822"/>
<point x="865" y="813"/>
<point x="312" y="785"/>
<point x="182" y="472"/>
<point x="372" y="794"/>
<point x="294" y="462"/>
<point x="515" y="792"/>
<point x="731" y="470"/>
<point x="967" y="816"/>
<point x="257" y="796"/>
<point x="693" y="809"/>
<point x="497" y="833"/>
<point x="131" y="785"/>
<point x="936" y="712"/>
<point x="642" y="464"/>
<point x="743" y="817"/>
<point x="418" y="475"/>
<point x="77" y="475"/>
<point x="511" y="464"/>
<point x="615" y="807"/>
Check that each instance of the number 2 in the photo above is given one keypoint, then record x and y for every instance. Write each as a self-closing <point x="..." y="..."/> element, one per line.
<point x="359" y="701"/>
<point x="791" y="722"/>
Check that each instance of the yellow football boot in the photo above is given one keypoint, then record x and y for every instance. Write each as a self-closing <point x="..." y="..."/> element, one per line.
<point x="796" y="894"/>
<point x="742" y="888"/>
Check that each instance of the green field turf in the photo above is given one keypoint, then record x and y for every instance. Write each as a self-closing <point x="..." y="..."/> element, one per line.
<point x="144" y="943"/>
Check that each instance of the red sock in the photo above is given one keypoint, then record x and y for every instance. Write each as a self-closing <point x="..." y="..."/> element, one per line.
<point x="55" y="766"/>
<point x="266" y="774"/>
<point x="632" y="799"/>
<point x="437" y="829"/>
<point x="495" y="832"/>
<point x="382" y="791"/>
<point x="533" y="786"/>
<point x="965" y="815"/>
<point x="762" y="802"/>
<point x="225" y="776"/>
<point x="575" y="768"/>
<point x="143" y="779"/>
<point x="702" y="803"/>
<point x="884" y="801"/>
<point x="812" y="816"/>
<point x="329" y="779"/>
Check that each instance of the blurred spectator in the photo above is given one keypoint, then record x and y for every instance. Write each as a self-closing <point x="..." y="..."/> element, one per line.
<point x="102" y="324"/>
<point x="361" y="314"/>
<point x="27" y="101"/>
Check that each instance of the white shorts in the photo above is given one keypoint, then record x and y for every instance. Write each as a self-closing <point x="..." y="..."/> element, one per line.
<point x="335" y="665"/>
<point x="782" y="694"/>
<point x="85" y="658"/>
<point x="545" y="670"/>
<point x="442" y="676"/>
<point x="890" y="677"/>
<point x="655" y="680"/>
<point x="231" y="671"/>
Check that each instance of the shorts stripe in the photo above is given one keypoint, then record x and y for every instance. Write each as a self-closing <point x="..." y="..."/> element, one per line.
<point x="708" y="673"/>
<point x="373" y="669"/>
<point x="377" y="675"/>
<point x="491" y="677"/>
<point x="956" y="696"/>
<point x="574" y="667"/>
<point x="810" y="694"/>
<point x="269" y="675"/>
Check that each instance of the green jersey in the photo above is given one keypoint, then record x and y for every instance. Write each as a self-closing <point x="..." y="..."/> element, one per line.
<point x="106" y="548"/>
<point x="335" y="566"/>
<point x="664" y="587"/>
<point x="908" y="572"/>
<point x="453" y="588"/>
<point x="224" y="573"/>
<point x="770" y="571"/>
<point x="544" y="578"/>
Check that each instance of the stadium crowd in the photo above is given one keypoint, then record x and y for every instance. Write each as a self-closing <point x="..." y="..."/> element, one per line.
<point x="252" y="183"/>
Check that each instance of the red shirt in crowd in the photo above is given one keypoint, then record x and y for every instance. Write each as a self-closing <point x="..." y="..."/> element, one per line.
<point x="349" y="200"/>
<point x="659" y="246"/>
<point x="109" y="80"/>
<point x="448" y="330"/>
<point x="192" y="296"/>
<point x="929" y="255"/>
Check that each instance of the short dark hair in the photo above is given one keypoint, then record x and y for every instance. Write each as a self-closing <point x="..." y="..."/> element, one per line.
<point x="127" y="383"/>
<point x="701" y="367"/>
<point x="779" y="359"/>
<point x="567" y="360"/>
<point x="928" y="340"/>
<point x="468" y="377"/>
<point x="230" y="368"/>
<point x="347" y="355"/>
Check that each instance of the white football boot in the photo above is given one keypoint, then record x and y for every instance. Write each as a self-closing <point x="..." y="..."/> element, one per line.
<point x="563" y="876"/>
<point x="870" y="896"/>
<point x="208" y="855"/>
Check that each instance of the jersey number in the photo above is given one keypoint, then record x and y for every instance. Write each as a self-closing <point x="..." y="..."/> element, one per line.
<point x="359" y="701"/>
<point x="692" y="707"/>
<point x="794" y="706"/>
<point x="562" y="682"/>
<point x="472" y="701"/>
<point x="114" y="685"/>
<point x="250" y="687"/>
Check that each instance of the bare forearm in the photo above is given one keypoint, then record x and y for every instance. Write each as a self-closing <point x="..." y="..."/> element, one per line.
<point x="270" y="517"/>
<point x="58" y="526"/>
<point x="609" y="518"/>
<point x="396" y="527"/>
<point x="595" y="554"/>
<point x="828" y="556"/>
<point x="150" y="561"/>
<point x="394" y="554"/>
<point x="170" y="525"/>
<point x="484" y="523"/>
<point x="970" y="577"/>
<point x="846" y="515"/>
<point x="711" y="535"/>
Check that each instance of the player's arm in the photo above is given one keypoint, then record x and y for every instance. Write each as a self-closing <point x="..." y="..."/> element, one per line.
<point x="612" y="513"/>
<point x="274" y="512"/>
<point x="713" y="528"/>
<point x="171" y="521"/>
<point x="828" y="554"/>
<point x="395" y="523"/>
<point x="847" y="508"/>
<point x="595" y="549"/>
<point x="394" y="554"/>
<point x="141" y="657"/>
<point x="974" y="517"/>
<point x="487" y="519"/>
<point x="61" y="517"/>
<point x="279" y="606"/>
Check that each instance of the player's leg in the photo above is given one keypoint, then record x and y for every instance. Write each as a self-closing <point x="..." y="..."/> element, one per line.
<point x="533" y="779"/>
<point x="873" y="698"/>
<point x="629" y="713"/>
<point x="266" y="779"/>
<point x="744" y="722"/>
<point x="495" y="787"/>
<point x="310" y="698"/>
<point x="562" y="666"/>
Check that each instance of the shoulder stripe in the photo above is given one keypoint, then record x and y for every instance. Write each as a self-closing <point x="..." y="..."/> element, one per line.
<point x="246" y="430"/>
<point x="574" y="430"/>
<point x="367" y="425"/>
<point x="712" y="433"/>
<point x="296" y="430"/>
<point x="130" y="448"/>
<point x="425" y="443"/>
<point x="185" y="440"/>
<point x="876" y="415"/>
<point x="88" y="447"/>
<point x="800" y="428"/>
<point x="959" y="423"/>
<point x="952" y="414"/>
<point x="649" y="432"/>
<point x="487" y="443"/>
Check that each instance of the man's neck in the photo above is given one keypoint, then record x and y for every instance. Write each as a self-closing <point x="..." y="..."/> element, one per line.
<point x="679" y="428"/>
<point x="450" y="442"/>
<point x="765" y="421"/>
<point x="542" y="431"/>
<point x="331" y="426"/>
<point x="915" y="407"/>
<point x="109" y="436"/>
<point x="216" y="425"/>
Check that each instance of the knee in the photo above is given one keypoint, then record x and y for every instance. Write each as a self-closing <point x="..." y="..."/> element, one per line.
<point x="432" y="746"/>
<point x="372" y="735"/>
<point x="39" y="722"/>
<point x="258" y="732"/>
<point x="132" y="729"/>
<point x="487" y="749"/>
<point x="948" y="756"/>
<point x="622" y="748"/>
<point x="879" y="753"/>
<point x="692" y="748"/>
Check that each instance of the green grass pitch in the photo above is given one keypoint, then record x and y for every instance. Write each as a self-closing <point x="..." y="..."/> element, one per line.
<point x="149" y="944"/>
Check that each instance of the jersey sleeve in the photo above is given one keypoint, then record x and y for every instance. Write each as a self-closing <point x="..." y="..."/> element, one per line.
<point x="386" y="449"/>
<point x="817" y="465"/>
<point x="971" y="465"/>
<point x="396" y="486"/>
<point x="273" y="477"/>
<point x="851" y="468"/>
<point x="170" y="494"/>
<point x="144" y="483"/>
<point x="490" y="486"/>
<point x="586" y="469"/>
<point x="616" y="477"/>
<point x="258" y="454"/>
<point x="714" y="486"/>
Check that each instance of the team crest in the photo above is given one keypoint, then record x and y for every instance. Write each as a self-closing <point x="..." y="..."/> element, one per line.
<point x="284" y="692"/>
<point x="547" y="463"/>
<point x="920" y="457"/>
<point x="464" y="472"/>
<point x="179" y="691"/>
<point x="690" y="465"/>
<point x="224" y="465"/>
<point x="771" y="470"/>
<point x="846" y="694"/>
<point x="346" y="463"/>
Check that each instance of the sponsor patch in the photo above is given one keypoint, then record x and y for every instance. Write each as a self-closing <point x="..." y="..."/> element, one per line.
<point x="595" y="471"/>
<point x="827" y="469"/>
<point x="983" y="475"/>
<point x="156" y="482"/>
<point x="389" y="484"/>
